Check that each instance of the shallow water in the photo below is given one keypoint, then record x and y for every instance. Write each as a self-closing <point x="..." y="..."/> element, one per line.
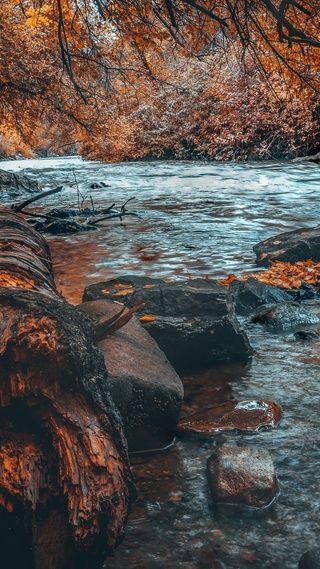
<point x="195" y="218"/>
<point x="200" y="219"/>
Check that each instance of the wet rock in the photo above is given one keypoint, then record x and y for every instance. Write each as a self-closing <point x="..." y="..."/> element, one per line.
<point x="96" y="185"/>
<point x="193" y="322"/>
<point x="310" y="559"/>
<point x="307" y="334"/>
<point x="144" y="386"/>
<point x="242" y="476"/>
<point x="251" y="294"/>
<point x="60" y="226"/>
<point x="285" y="317"/>
<point x="242" y="416"/>
<point x="12" y="185"/>
<point x="299" y="245"/>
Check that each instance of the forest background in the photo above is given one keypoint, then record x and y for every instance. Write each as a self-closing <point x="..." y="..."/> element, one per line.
<point x="234" y="79"/>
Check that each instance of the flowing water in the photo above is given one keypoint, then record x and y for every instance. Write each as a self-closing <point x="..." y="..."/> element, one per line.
<point x="198" y="219"/>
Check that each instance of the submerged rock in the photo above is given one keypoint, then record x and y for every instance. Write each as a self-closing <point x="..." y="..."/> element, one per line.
<point x="242" y="476"/>
<point x="285" y="317"/>
<point x="144" y="386"/>
<point x="193" y="322"/>
<point x="299" y="245"/>
<point x="310" y="559"/>
<point x="243" y="416"/>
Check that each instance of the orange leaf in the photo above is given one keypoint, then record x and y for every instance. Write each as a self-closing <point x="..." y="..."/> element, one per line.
<point x="123" y="292"/>
<point x="147" y="318"/>
<point x="228" y="280"/>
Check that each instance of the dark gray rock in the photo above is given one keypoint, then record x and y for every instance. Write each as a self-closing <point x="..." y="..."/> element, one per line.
<point x="299" y="245"/>
<point x="310" y="559"/>
<point x="194" y="321"/>
<point x="142" y="383"/>
<point x="251" y="294"/>
<point x="12" y="185"/>
<point x="285" y="317"/>
<point x="242" y="476"/>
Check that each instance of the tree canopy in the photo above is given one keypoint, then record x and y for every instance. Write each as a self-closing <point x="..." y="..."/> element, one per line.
<point x="89" y="61"/>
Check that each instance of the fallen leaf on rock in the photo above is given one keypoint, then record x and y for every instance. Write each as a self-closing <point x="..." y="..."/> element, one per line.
<point x="229" y="279"/>
<point x="149" y="286"/>
<point x="283" y="274"/>
<point x="123" y="291"/>
<point x="263" y="256"/>
<point x="120" y="285"/>
<point x="147" y="318"/>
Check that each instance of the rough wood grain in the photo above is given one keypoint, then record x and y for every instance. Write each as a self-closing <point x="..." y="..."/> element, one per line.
<point x="63" y="454"/>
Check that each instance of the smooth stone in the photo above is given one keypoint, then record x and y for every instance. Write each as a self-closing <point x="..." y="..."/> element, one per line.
<point x="142" y="383"/>
<point x="193" y="322"/>
<point x="310" y="559"/>
<point x="242" y="476"/>
<point x="243" y="416"/>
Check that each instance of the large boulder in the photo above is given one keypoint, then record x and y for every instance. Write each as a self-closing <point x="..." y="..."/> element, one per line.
<point x="242" y="476"/>
<point x="286" y="317"/>
<point x="12" y="184"/>
<point x="299" y="245"/>
<point x="193" y="322"/>
<point x="142" y="383"/>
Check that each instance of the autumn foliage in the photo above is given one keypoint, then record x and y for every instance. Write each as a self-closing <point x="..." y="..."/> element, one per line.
<point x="183" y="79"/>
<point x="283" y="275"/>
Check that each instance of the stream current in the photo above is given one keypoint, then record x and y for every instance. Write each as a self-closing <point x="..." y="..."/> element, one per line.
<point x="199" y="219"/>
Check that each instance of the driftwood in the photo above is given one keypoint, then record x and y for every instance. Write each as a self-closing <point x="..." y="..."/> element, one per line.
<point x="22" y="205"/>
<point x="57" y="221"/>
<point x="65" y="482"/>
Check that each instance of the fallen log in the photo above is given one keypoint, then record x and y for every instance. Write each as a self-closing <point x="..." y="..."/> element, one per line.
<point x="65" y="481"/>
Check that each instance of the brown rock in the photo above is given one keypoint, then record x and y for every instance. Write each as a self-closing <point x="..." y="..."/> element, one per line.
<point x="243" y="416"/>
<point x="242" y="476"/>
<point x="142" y="383"/>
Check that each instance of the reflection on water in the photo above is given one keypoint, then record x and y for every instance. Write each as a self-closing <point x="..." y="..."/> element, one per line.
<point x="199" y="219"/>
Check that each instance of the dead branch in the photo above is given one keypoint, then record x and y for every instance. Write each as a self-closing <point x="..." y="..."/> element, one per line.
<point x="117" y="321"/>
<point x="22" y="205"/>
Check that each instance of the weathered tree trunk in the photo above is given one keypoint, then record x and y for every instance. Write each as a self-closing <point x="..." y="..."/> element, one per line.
<point x="64" y="471"/>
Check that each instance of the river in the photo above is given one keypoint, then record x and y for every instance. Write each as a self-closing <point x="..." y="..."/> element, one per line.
<point x="199" y="219"/>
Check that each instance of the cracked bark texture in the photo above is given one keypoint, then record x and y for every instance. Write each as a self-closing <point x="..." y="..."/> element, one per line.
<point x="65" y="481"/>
